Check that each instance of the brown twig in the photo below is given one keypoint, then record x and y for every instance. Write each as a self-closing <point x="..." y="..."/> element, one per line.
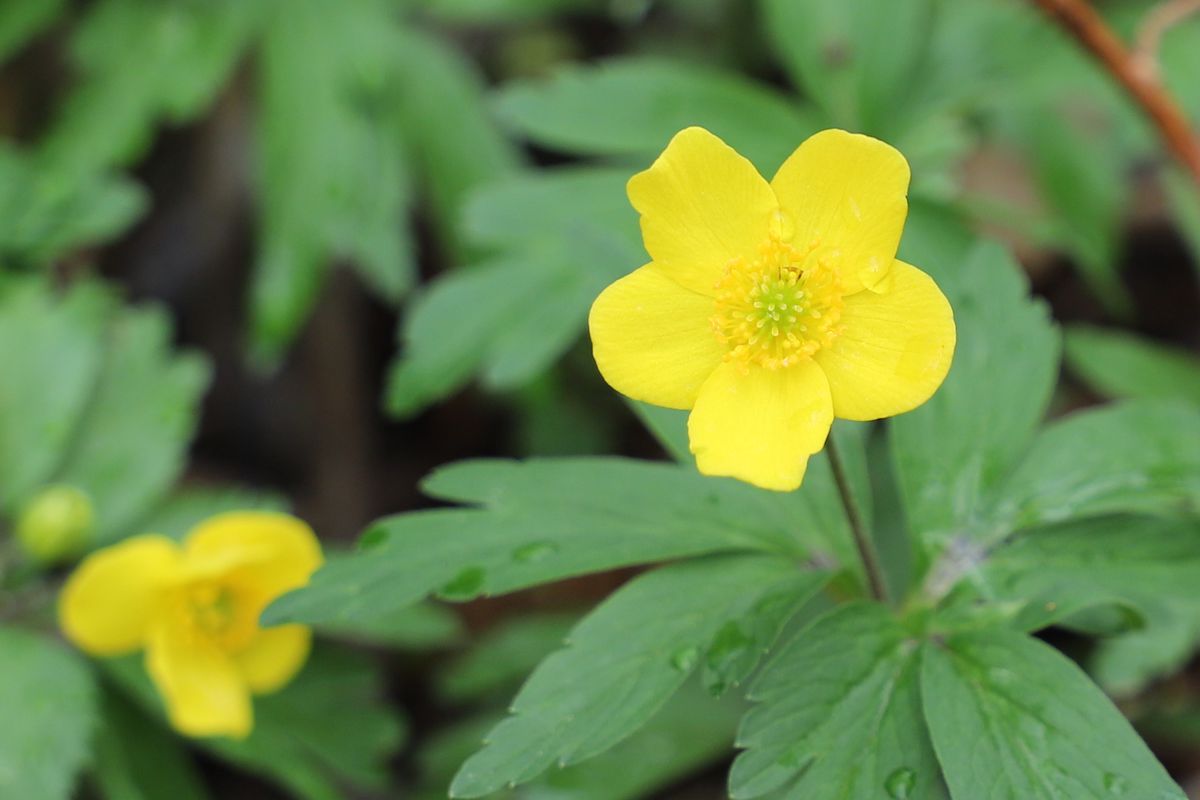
<point x="1085" y="24"/>
<point x="1154" y="25"/>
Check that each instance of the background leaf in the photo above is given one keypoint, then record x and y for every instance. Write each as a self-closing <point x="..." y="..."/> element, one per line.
<point x="1011" y="717"/>
<point x="49" y="701"/>
<point x="1123" y="365"/>
<point x="137" y="759"/>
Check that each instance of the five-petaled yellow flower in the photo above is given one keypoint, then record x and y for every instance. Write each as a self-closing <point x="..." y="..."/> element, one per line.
<point x="770" y="308"/>
<point x="194" y="609"/>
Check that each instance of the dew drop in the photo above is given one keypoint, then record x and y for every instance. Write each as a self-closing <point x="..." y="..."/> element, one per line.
<point x="900" y="783"/>
<point x="685" y="658"/>
<point x="1115" y="784"/>
<point x="464" y="585"/>
<point x="534" y="551"/>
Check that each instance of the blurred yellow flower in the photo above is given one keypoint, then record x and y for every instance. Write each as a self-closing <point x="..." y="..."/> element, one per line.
<point x="770" y="308"/>
<point x="194" y="609"/>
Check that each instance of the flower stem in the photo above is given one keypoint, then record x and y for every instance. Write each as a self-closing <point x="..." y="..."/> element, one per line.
<point x="862" y="537"/>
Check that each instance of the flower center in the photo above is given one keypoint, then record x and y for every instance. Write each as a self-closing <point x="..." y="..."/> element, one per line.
<point x="779" y="308"/>
<point x="214" y="612"/>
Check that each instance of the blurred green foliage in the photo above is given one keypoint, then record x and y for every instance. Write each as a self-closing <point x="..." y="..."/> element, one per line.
<point x="486" y="144"/>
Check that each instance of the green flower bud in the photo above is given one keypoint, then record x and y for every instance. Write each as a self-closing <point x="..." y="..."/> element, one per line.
<point x="55" y="524"/>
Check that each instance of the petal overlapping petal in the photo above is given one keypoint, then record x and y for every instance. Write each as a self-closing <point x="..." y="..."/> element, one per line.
<point x="204" y="693"/>
<point x="702" y="205"/>
<point x="847" y="192"/>
<point x="653" y="339"/>
<point x="895" y="348"/>
<point x="761" y="426"/>
<point x="266" y="553"/>
<point x="107" y="604"/>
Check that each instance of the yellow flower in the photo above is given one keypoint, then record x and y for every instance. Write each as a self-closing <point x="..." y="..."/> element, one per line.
<point x="770" y="308"/>
<point x="194" y="610"/>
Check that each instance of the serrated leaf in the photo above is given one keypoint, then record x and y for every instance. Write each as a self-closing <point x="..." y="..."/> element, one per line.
<point x="953" y="452"/>
<point x="335" y="179"/>
<point x="1149" y="562"/>
<point x="1141" y="455"/>
<point x="52" y="349"/>
<point x="625" y="659"/>
<point x="327" y="727"/>
<point x="184" y="54"/>
<point x="49" y="706"/>
<point x="565" y="235"/>
<point x="1012" y="717"/>
<point x="133" y="438"/>
<point x="503" y="657"/>
<point x="137" y="759"/>
<point x="545" y="520"/>
<point x="838" y="715"/>
<point x="858" y="59"/>
<point x="1122" y="365"/>
<point x="633" y="106"/>
<point x="20" y="22"/>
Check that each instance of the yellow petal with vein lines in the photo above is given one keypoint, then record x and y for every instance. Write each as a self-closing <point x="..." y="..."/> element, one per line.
<point x="894" y="350"/>
<point x="653" y="339"/>
<point x="761" y="426"/>
<point x="702" y="205"/>
<point x="848" y="192"/>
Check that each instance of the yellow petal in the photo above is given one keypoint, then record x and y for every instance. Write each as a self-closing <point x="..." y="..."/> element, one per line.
<point x="761" y="426"/>
<point x="702" y="205"/>
<point x="894" y="350"/>
<point x="846" y="192"/>
<point x="266" y="553"/>
<point x="106" y="605"/>
<point x="274" y="657"/>
<point x="203" y="691"/>
<point x="653" y="339"/>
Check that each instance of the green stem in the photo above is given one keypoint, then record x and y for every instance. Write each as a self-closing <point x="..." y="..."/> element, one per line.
<point x="862" y="537"/>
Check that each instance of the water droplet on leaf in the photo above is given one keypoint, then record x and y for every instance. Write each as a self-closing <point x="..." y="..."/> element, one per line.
<point x="1114" y="783"/>
<point x="465" y="584"/>
<point x="900" y="783"/>
<point x="684" y="659"/>
<point x="534" y="551"/>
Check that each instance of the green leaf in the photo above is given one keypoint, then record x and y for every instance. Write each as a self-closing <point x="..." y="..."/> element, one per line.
<point x="451" y="135"/>
<point x="335" y="180"/>
<point x="669" y="427"/>
<point x="187" y="507"/>
<point x="52" y="355"/>
<point x="1183" y="204"/>
<point x="839" y="715"/>
<point x="1124" y="665"/>
<point x="1141" y="456"/>
<point x="1145" y="561"/>
<point x="565" y="234"/>
<point x="503" y="657"/>
<point x="1120" y="364"/>
<point x="952" y="452"/>
<point x="137" y="759"/>
<point x="327" y="727"/>
<point x="185" y="52"/>
<point x="858" y="59"/>
<point x="633" y="106"/>
<point x="628" y="656"/>
<point x="133" y="437"/>
<point x="545" y="520"/>
<point x="1083" y="179"/>
<point x="47" y="213"/>
<point x="1011" y="717"/>
<point x="49" y="706"/>
<point x="20" y="22"/>
<point x="418" y="627"/>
